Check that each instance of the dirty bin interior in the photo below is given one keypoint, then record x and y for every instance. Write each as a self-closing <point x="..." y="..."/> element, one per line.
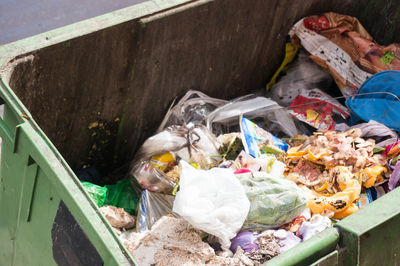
<point x="238" y="133"/>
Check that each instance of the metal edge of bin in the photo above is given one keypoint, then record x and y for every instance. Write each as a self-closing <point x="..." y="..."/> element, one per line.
<point x="310" y="250"/>
<point x="332" y="259"/>
<point x="66" y="183"/>
<point x="370" y="236"/>
<point x="9" y="51"/>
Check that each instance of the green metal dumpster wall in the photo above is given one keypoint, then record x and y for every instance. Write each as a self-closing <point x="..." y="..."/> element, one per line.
<point x="125" y="68"/>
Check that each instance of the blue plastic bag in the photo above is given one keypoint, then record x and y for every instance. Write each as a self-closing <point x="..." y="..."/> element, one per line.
<point x="378" y="99"/>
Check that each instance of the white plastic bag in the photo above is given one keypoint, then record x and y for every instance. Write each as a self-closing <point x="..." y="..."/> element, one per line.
<point x="265" y="112"/>
<point x="213" y="201"/>
<point x="301" y="76"/>
<point x="317" y="224"/>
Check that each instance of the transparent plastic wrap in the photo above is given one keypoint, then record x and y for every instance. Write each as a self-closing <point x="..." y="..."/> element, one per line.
<point x="192" y="108"/>
<point x="302" y="75"/>
<point x="152" y="207"/>
<point x="263" y="111"/>
<point x="192" y="143"/>
<point x="274" y="201"/>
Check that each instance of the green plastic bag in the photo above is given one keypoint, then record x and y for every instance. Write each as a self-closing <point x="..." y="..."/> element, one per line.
<point x="97" y="193"/>
<point x="123" y="195"/>
<point x="273" y="200"/>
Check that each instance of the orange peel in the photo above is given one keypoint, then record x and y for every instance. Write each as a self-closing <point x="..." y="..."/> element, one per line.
<point x="348" y="211"/>
<point x="372" y="173"/>
<point x="340" y="201"/>
<point x="314" y="157"/>
<point x="295" y="153"/>
<point x="323" y="187"/>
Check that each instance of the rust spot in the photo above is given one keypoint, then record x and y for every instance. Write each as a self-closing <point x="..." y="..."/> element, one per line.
<point x="25" y="116"/>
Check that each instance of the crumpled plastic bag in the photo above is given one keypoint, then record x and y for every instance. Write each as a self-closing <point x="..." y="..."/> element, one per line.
<point x="213" y="201"/>
<point x="192" y="108"/>
<point x="193" y="143"/>
<point x="394" y="177"/>
<point x="302" y="75"/>
<point x="370" y="129"/>
<point x="97" y="193"/>
<point x="315" y="225"/>
<point x="327" y="53"/>
<point x="264" y="163"/>
<point x="247" y="240"/>
<point x="286" y="239"/>
<point x="273" y="200"/>
<point x="263" y="111"/>
<point x="123" y="195"/>
<point x="318" y="109"/>
<point x="152" y="207"/>
<point x="341" y="44"/>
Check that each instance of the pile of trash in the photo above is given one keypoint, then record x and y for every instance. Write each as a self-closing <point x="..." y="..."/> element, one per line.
<point x="239" y="182"/>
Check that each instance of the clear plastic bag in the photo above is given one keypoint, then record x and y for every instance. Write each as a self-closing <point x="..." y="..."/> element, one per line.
<point x="192" y="108"/>
<point x="274" y="200"/>
<point x="263" y="111"/>
<point x="302" y="75"/>
<point x="192" y="143"/>
<point x="213" y="201"/>
<point x="152" y="207"/>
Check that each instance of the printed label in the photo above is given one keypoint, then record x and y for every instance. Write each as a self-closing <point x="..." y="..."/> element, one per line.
<point x="387" y="58"/>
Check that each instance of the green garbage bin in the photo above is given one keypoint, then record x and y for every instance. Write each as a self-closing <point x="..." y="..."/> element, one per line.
<point x="119" y="72"/>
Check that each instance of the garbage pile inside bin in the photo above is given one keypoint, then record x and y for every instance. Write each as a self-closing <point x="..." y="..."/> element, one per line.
<point x="239" y="182"/>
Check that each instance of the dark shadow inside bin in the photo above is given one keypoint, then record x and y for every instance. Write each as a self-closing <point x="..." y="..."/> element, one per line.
<point x="99" y="96"/>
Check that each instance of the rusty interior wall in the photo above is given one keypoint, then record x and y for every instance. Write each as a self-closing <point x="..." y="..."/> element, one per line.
<point x="131" y="72"/>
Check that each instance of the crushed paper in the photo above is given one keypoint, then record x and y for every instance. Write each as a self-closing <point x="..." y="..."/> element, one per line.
<point x="118" y="217"/>
<point x="268" y="247"/>
<point x="173" y="241"/>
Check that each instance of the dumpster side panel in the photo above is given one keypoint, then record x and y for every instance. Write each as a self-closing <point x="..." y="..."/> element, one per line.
<point x="134" y="70"/>
<point x="370" y="236"/>
<point x="34" y="178"/>
<point x="329" y="260"/>
<point x="77" y="83"/>
<point x="380" y="17"/>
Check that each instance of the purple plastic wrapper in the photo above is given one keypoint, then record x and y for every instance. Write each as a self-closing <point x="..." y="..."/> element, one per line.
<point x="394" y="177"/>
<point x="246" y="240"/>
<point x="286" y="239"/>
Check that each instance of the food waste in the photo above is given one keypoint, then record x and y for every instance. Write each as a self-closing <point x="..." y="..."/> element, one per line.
<point x="239" y="182"/>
